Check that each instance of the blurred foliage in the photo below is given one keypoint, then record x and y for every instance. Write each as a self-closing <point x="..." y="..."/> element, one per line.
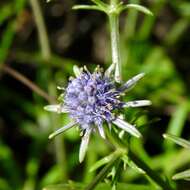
<point x="158" y="46"/>
<point x="186" y="144"/>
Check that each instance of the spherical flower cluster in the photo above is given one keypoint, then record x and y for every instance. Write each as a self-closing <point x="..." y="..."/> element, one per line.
<point x="91" y="99"/>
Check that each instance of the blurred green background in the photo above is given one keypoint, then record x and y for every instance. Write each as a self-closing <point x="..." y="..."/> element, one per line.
<point x="32" y="65"/>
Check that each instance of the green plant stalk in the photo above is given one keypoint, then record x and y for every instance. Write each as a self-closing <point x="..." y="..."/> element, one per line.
<point x="118" y="153"/>
<point x="60" y="153"/>
<point x="47" y="55"/>
<point x="114" y="30"/>
<point x="138" y="161"/>
<point x="151" y="173"/>
<point x="5" y="44"/>
<point x="91" y="159"/>
<point x="115" y="49"/>
<point x="42" y="32"/>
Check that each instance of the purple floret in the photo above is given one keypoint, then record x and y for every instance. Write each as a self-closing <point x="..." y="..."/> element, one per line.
<point x="91" y="98"/>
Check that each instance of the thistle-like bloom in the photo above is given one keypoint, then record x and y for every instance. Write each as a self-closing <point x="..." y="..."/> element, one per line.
<point x="92" y="99"/>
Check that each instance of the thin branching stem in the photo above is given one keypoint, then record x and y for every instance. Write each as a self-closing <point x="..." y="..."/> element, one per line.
<point x="42" y="32"/>
<point x="114" y="32"/>
<point x="23" y="79"/>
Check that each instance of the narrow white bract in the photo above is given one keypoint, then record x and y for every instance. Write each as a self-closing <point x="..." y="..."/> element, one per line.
<point x="84" y="145"/>
<point x="62" y="129"/>
<point x="127" y="127"/>
<point x="137" y="103"/>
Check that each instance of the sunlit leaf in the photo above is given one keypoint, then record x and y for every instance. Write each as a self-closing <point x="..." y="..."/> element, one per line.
<point x="182" y="175"/>
<point x="182" y="142"/>
<point x="139" y="8"/>
<point x="86" y="7"/>
<point x="177" y="122"/>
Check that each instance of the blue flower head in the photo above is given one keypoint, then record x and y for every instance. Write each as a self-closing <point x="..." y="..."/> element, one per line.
<point x="91" y="99"/>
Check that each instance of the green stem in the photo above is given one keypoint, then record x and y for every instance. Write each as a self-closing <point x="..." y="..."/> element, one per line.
<point x="59" y="145"/>
<point x="115" y="49"/>
<point x="138" y="161"/>
<point x="42" y="32"/>
<point x="47" y="56"/>
<point x="118" y="153"/>
<point x="90" y="160"/>
<point x="151" y="173"/>
<point x="61" y="156"/>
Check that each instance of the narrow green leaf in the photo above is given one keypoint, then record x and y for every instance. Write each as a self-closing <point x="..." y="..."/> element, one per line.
<point x="131" y="22"/>
<point x="19" y="5"/>
<point x="184" y="9"/>
<point x="132" y="165"/>
<point x="177" y="121"/>
<point x="6" y="12"/>
<point x="177" y="31"/>
<point x="101" y="162"/>
<point x="182" y="175"/>
<point x="139" y="8"/>
<point x="102" y="174"/>
<point x="9" y="32"/>
<point x="182" y="142"/>
<point x="6" y="41"/>
<point x="87" y="7"/>
<point x="100" y="3"/>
